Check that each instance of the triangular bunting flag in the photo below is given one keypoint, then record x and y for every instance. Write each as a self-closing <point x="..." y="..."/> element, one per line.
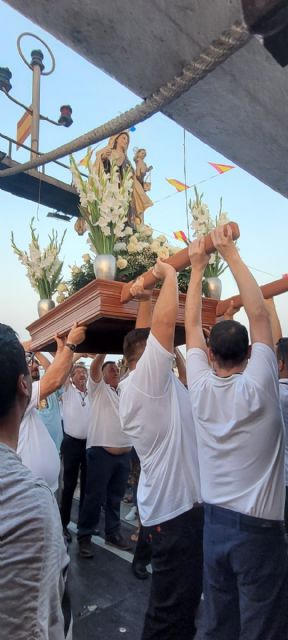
<point x="179" y="186"/>
<point x="180" y="235"/>
<point x="221" y="168"/>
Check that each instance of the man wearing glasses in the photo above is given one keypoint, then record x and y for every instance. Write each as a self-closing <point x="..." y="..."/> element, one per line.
<point x="35" y="446"/>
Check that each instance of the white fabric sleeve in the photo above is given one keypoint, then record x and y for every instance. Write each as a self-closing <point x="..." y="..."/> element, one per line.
<point x="153" y="371"/>
<point x="35" y="397"/>
<point x="262" y="368"/>
<point x="94" y="388"/>
<point x="197" y="365"/>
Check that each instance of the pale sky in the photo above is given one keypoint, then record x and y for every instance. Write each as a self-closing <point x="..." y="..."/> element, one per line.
<point x="95" y="98"/>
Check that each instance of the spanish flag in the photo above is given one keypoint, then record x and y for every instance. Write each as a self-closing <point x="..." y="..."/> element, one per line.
<point x="180" y="235"/>
<point x="221" y="168"/>
<point x="24" y="127"/>
<point x="179" y="186"/>
<point x="85" y="161"/>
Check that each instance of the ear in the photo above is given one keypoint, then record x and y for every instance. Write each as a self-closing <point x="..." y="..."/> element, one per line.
<point x="249" y="351"/>
<point x="211" y="355"/>
<point x="281" y="366"/>
<point x="24" y="386"/>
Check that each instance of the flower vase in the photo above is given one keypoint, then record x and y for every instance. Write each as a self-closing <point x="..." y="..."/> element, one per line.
<point x="105" y="266"/>
<point x="45" y="305"/>
<point x="213" y="287"/>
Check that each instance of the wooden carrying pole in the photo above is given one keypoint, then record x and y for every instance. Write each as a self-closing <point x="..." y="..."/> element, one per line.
<point x="179" y="261"/>
<point x="269" y="291"/>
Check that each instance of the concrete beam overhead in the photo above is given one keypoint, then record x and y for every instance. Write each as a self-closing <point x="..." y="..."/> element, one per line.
<point x="241" y="109"/>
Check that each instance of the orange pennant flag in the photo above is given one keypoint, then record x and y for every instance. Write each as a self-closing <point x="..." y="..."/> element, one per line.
<point x="180" y="235"/>
<point x="24" y="127"/>
<point x="221" y="168"/>
<point x="179" y="186"/>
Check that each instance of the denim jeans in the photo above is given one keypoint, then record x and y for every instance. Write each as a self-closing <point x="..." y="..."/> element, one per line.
<point x="176" y="587"/>
<point x="245" y="577"/>
<point x="106" y="481"/>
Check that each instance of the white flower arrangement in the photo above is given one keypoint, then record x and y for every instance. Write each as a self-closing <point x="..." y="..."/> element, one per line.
<point x="202" y="224"/>
<point x="104" y="204"/>
<point x="43" y="266"/>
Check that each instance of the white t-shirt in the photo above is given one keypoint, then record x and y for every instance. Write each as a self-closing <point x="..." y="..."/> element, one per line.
<point x="240" y="434"/>
<point x="104" y="426"/>
<point x="283" y="388"/>
<point x="76" y="412"/>
<point x="33" y="556"/>
<point x="156" y="414"/>
<point x="35" y="447"/>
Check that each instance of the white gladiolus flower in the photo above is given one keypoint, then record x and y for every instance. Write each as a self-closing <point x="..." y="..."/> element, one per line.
<point x="131" y="248"/>
<point x="121" y="263"/>
<point x="163" y="253"/>
<point x="119" y="246"/>
<point x="62" y="287"/>
<point x="128" y="231"/>
<point x="75" y="270"/>
<point x="155" y="246"/>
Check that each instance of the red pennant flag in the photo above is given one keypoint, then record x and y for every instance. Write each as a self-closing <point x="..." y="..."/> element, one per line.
<point x="180" y="235"/>
<point x="221" y="168"/>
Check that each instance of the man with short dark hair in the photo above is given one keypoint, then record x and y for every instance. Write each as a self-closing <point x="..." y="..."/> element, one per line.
<point x="240" y="438"/>
<point x="32" y="552"/>
<point x="108" y="460"/>
<point x="156" y="415"/>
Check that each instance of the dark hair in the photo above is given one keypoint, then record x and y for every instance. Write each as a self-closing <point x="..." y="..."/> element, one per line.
<point x="133" y="340"/>
<point x="12" y="365"/>
<point x="108" y="362"/>
<point x="282" y="351"/>
<point x="229" y="343"/>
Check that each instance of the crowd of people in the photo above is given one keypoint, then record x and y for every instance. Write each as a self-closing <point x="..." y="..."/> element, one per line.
<point x="211" y="448"/>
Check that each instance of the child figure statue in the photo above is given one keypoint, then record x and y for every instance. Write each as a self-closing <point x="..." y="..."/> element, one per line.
<point x="142" y="169"/>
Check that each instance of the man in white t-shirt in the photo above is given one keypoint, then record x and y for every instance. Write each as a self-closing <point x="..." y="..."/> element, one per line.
<point x="35" y="445"/>
<point x="240" y="437"/>
<point x="156" y="415"/>
<point x="282" y="357"/>
<point x="108" y="460"/>
<point x="76" y="412"/>
<point x="33" y="559"/>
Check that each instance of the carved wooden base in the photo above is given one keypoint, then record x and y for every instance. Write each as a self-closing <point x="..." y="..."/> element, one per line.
<point x="98" y="305"/>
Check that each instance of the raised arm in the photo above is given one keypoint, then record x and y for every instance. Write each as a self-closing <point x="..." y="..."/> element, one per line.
<point x="253" y="301"/>
<point x="166" y="308"/>
<point x="96" y="367"/>
<point x="274" y="319"/>
<point x="193" y="307"/>
<point x="59" y="369"/>
<point x="144" y="313"/>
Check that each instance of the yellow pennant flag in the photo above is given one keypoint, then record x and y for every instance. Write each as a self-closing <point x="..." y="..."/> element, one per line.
<point x="221" y="168"/>
<point x="24" y="127"/>
<point x="179" y="186"/>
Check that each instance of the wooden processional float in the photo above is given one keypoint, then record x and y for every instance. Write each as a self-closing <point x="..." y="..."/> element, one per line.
<point x="109" y="312"/>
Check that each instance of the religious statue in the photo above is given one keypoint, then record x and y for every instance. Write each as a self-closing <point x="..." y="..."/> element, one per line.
<point x="116" y="151"/>
<point x="142" y="168"/>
